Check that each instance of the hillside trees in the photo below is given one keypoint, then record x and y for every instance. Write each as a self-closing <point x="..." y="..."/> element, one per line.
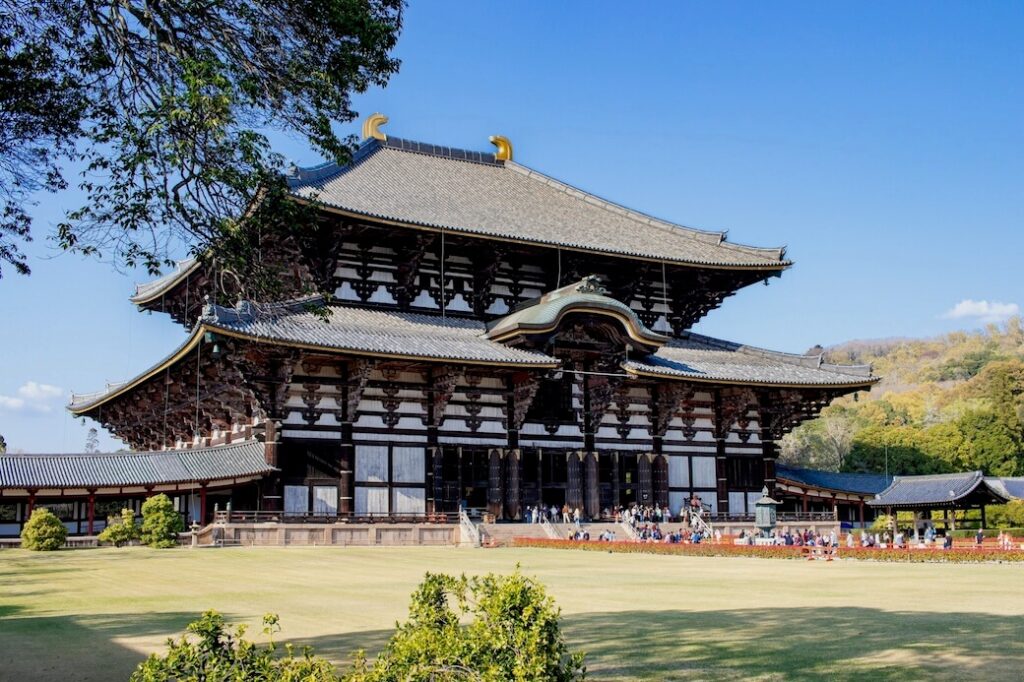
<point x="972" y="419"/>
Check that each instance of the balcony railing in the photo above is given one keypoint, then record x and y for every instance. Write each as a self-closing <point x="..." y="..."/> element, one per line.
<point x="262" y="516"/>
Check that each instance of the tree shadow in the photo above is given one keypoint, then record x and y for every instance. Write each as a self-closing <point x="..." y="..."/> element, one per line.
<point x="80" y="647"/>
<point x="798" y="644"/>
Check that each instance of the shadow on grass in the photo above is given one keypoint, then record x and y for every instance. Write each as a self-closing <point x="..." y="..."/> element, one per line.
<point x="79" y="647"/>
<point x="798" y="643"/>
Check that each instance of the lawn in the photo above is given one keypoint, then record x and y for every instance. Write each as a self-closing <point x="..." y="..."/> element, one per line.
<point x="93" y="614"/>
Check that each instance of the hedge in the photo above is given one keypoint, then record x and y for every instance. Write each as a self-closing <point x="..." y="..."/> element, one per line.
<point x="966" y="554"/>
<point x="989" y="532"/>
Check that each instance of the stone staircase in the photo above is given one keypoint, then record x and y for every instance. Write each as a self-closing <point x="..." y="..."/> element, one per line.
<point x="498" y="534"/>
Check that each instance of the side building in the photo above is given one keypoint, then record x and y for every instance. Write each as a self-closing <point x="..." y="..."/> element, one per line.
<point x="493" y="339"/>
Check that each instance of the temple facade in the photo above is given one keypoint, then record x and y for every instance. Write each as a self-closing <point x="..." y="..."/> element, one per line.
<point x="486" y="338"/>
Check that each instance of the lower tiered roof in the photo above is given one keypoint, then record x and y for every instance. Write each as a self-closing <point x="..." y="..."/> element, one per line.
<point x="225" y="463"/>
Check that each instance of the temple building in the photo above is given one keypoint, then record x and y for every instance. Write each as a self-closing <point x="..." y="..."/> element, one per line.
<point x="493" y="339"/>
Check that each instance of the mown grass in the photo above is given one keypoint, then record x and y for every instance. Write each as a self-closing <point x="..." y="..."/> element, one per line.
<point x="93" y="614"/>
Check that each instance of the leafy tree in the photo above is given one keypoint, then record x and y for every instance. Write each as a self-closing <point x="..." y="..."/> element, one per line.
<point x="3" y="445"/>
<point x="43" y="532"/>
<point x="121" y="530"/>
<point x="1010" y="515"/>
<point x="162" y="105"/>
<point x="996" y="446"/>
<point x="214" y="653"/>
<point x="491" y="628"/>
<point x="900" y="449"/>
<point x="160" y="522"/>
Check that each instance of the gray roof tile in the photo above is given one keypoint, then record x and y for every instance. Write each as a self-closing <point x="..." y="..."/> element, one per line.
<point x="437" y="187"/>
<point x="936" y="489"/>
<point x="702" y="358"/>
<point x="120" y="469"/>
<point x="860" y="484"/>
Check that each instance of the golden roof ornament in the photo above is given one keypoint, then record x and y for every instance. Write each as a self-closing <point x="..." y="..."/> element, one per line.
<point x="504" y="151"/>
<point x="371" y="127"/>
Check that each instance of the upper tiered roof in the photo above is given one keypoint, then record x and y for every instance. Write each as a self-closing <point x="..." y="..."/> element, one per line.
<point x="441" y="188"/>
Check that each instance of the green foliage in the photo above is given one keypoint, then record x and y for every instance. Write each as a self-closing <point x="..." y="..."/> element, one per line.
<point x="160" y="522"/>
<point x="1009" y="515"/>
<point x="492" y="629"/>
<point x="973" y="420"/>
<point x="43" y="532"/>
<point x="881" y="524"/>
<point x="121" y="530"/>
<point x="165" y="109"/>
<point x="214" y="653"/>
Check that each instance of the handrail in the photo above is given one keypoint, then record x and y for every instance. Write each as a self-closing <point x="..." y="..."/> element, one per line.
<point x="629" y="530"/>
<point x="549" y="530"/>
<point x="263" y="516"/>
<point x="469" y="527"/>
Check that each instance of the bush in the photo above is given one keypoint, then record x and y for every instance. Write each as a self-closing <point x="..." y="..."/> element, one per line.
<point x="484" y="628"/>
<point x="1009" y="515"/>
<point x="160" y="522"/>
<point x="217" y="654"/>
<point x="121" y="530"/>
<point x="43" y="532"/>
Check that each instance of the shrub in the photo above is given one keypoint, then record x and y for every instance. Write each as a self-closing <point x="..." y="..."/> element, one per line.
<point x="121" y="530"/>
<point x="214" y="653"/>
<point x="43" y="532"/>
<point x="160" y="522"/>
<point x="484" y="628"/>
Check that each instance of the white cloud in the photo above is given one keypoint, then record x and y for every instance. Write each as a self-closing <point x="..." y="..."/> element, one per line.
<point x="983" y="311"/>
<point x="32" y="396"/>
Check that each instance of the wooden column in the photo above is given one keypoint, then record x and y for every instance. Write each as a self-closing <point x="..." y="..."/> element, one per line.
<point x="271" y="484"/>
<point x="202" y="504"/>
<point x="496" y="488"/>
<point x="722" y="476"/>
<point x="592" y="491"/>
<point x="616" y="480"/>
<point x="574" y="481"/>
<point x="513" y="487"/>
<point x="437" y="473"/>
<point x="862" y="512"/>
<point x="805" y="501"/>
<point x="91" y="513"/>
<point x="659" y="470"/>
<point x="770" y="452"/>
<point x="346" y="482"/>
<point x="645" y="490"/>
<point x="983" y="523"/>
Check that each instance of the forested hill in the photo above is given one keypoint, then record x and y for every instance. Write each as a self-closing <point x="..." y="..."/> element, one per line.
<point x="951" y="403"/>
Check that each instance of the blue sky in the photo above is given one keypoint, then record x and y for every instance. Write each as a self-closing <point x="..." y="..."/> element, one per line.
<point x="880" y="142"/>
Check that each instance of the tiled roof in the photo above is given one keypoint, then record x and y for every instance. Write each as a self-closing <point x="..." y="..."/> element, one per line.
<point x="150" y="290"/>
<point x="1008" y="487"/>
<point x="702" y="358"/>
<point x="936" y="489"/>
<point x="116" y="470"/>
<point x="361" y="330"/>
<point x="462" y="191"/>
<point x="861" y="484"/>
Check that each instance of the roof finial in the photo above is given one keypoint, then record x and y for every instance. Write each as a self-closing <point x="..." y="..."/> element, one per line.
<point x="504" y="152"/>
<point x="371" y="127"/>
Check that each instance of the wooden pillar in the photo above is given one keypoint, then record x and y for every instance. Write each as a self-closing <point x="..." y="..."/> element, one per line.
<point x="91" y="513"/>
<point x="805" y="502"/>
<point x="271" y="455"/>
<point x="495" y="487"/>
<point x="513" y="488"/>
<point x="346" y="483"/>
<point x="770" y="452"/>
<point x="592" y="490"/>
<point x="983" y="522"/>
<point x="645" y="490"/>
<point x="616" y="480"/>
<point x="202" y="504"/>
<point x="574" y="480"/>
<point x="31" y="504"/>
<point x="862" y="512"/>
<point x="659" y="472"/>
<point x="437" y="477"/>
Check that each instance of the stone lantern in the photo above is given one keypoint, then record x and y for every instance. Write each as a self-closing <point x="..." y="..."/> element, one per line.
<point x="764" y="513"/>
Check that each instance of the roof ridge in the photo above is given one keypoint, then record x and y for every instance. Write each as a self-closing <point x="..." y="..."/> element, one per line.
<point x="130" y="453"/>
<point x="716" y="237"/>
<point x="801" y="359"/>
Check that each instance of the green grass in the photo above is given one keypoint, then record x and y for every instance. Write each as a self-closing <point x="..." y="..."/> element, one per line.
<point x="93" y="614"/>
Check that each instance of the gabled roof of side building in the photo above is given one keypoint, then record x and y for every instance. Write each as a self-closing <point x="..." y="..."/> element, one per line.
<point x="124" y="469"/>
<point x="940" y="490"/>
